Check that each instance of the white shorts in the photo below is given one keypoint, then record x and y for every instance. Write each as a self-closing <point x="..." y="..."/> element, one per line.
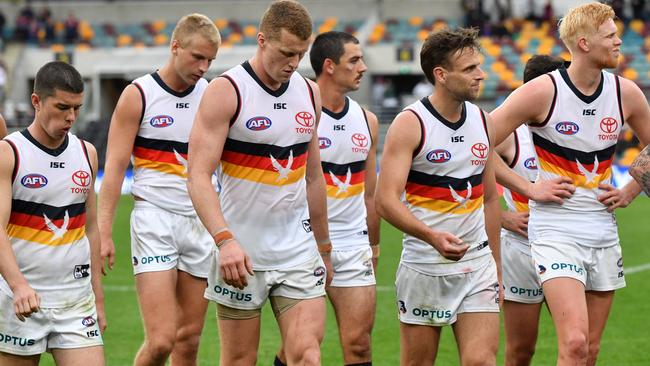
<point x="304" y="281"/>
<point x="599" y="269"/>
<point x="353" y="267"/>
<point x="520" y="280"/>
<point x="437" y="300"/>
<point x="162" y="240"/>
<point x="72" y="327"/>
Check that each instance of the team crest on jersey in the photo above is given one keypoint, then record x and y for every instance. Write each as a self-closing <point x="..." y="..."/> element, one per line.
<point x="439" y="156"/>
<point x="258" y="123"/>
<point x="34" y="181"/>
<point x="567" y="128"/>
<point x="324" y="142"/>
<point x="531" y="163"/>
<point x="161" y="121"/>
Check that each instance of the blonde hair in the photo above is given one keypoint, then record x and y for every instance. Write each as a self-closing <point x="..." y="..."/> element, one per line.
<point x="192" y="24"/>
<point x="286" y="14"/>
<point x="582" y="21"/>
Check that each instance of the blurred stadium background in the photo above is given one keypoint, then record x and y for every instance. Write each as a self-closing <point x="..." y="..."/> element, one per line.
<point x="114" y="41"/>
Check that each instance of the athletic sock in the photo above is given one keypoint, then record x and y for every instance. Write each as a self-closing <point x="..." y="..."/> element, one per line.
<point x="277" y="362"/>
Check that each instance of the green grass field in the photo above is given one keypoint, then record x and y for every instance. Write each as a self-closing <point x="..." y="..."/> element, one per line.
<point x="624" y="341"/>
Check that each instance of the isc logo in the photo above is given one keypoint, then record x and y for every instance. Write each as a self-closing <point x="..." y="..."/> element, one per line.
<point x="531" y="163"/>
<point x="324" y="142"/>
<point x="258" y="123"/>
<point x="34" y="181"/>
<point x="567" y="128"/>
<point x="161" y="121"/>
<point x="439" y="156"/>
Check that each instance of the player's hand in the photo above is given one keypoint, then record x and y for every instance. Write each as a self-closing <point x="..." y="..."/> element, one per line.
<point x="517" y="222"/>
<point x="553" y="190"/>
<point x="329" y="270"/>
<point x="107" y="252"/>
<point x="234" y="264"/>
<point x="448" y="245"/>
<point x="613" y="197"/>
<point x="101" y="316"/>
<point x="26" y="301"/>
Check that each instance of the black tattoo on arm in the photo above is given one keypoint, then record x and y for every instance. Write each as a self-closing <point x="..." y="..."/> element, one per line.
<point x="640" y="169"/>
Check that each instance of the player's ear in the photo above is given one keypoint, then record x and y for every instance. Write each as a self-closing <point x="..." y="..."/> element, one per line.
<point x="36" y="102"/>
<point x="328" y="66"/>
<point x="439" y="74"/>
<point x="583" y="44"/>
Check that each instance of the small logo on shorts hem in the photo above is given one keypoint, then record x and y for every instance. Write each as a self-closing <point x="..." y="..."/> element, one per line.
<point x="81" y="271"/>
<point x="306" y="224"/>
<point x="401" y="306"/>
<point x="542" y="269"/>
<point x="88" y="321"/>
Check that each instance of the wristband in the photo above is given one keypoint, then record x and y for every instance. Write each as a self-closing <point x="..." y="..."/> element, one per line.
<point x="375" y="251"/>
<point x="325" y="249"/>
<point x="221" y="236"/>
<point x="224" y="242"/>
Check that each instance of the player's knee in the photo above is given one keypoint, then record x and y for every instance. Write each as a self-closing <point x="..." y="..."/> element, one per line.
<point x="521" y="354"/>
<point x="594" y="349"/>
<point x="485" y="359"/>
<point x="311" y="356"/>
<point x="160" y="346"/>
<point x="359" y="347"/>
<point x="576" y="346"/>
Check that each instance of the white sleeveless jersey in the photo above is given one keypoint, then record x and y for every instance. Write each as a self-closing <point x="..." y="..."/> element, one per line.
<point x="48" y="218"/>
<point x="524" y="164"/>
<point x="160" y="150"/>
<point x="578" y="140"/>
<point x="444" y="188"/>
<point x="262" y="173"/>
<point x="344" y="139"/>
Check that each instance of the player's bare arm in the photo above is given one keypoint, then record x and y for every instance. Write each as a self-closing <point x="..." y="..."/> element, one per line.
<point x="26" y="300"/>
<point x="92" y="232"/>
<point x="372" y="219"/>
<point x="516" y="110"/>
<point x="316" y="191"/>
<point x="510" y="220"/>
<point x="492" y="207"/>
<point x="3" y="127"/>
<point x="640" y="169"/>
<point x="402" y="140"/>
<point x="207" y="139"/>
<point x="637" y="116"/>
<point x="124" y="127"/>
<point x="530" y="103"/>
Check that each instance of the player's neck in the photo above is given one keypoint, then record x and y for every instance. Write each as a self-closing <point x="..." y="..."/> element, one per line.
<point x="258" y="69"/>
<point x="449" y="108"/>
<point x="39" y="134"/>
<point x="171" y="78"/>
<point x="584" y="76"/>
<point x="332" y="95"/>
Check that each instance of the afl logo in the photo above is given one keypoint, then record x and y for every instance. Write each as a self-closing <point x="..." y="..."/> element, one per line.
<point x="324" y="142"/>
<point x="81" y="178"/>
<point x="319" y="272"/>
<point x="608" y="125"/>
<point x="439" y="156"/>
<point x="305" y="119"/>
<point x="88" y="321"/>
<point x="567" y="128"/>
<point x="258" y="123"/>
<point x="480" y="150"/>
<point x="531" y="163"/>
<point x="34" y="181"/>
<point x="360" y="140"/>
<point x="161" y="121"/>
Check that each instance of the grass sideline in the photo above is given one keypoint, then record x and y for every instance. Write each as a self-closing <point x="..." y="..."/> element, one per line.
<point x="623" y="343"/>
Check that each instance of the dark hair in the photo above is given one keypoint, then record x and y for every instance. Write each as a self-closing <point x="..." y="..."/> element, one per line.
<point x="441" y="44"/>
<point x="540" y="65"/>
<point x="329" y="45"/>
<point x="57" y="75"/>
<point x="286" y="14"/>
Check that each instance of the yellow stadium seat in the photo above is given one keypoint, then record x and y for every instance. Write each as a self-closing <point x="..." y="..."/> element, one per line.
<point x="630" y="73"/>
<point x="221" y="23"/>
<point x="82" y="47"/>
<point x="499" y="67"/>
<point x="57" y="48"/>
<point x="160" y="40"/>
<point x="416" y="21"/>
<point x="422" y="35"/>
<point x="525" y="57"/>
<point x="637" y="25"/>
<point x="124" y="40"/>
<point x="250" y="31"/>
<point x="235" y="38"/>
<point x="158" y="25"/>
<point x="629" y="155"/>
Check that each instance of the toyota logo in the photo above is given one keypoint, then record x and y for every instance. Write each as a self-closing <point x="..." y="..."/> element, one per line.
<point x="480" y="150"/>
<point x="305" y="119"/>
<point x="81" y="178"/>
<point x="360" y="140"/>
<point x="608" y="125"/>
